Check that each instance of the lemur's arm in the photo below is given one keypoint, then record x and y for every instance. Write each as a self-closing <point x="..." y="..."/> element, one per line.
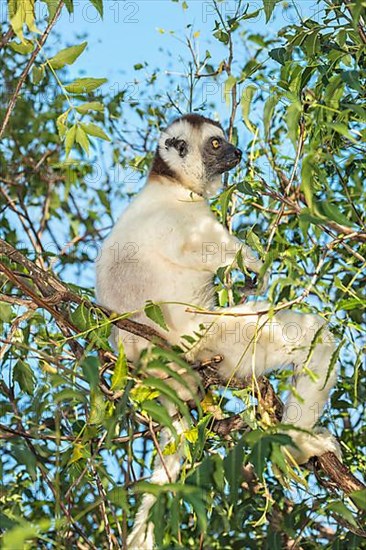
<point x="206" y="246"/>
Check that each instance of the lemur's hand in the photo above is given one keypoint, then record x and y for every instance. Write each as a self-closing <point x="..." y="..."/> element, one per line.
<point x="263" y="283"/>
<point x="254" y="285"/>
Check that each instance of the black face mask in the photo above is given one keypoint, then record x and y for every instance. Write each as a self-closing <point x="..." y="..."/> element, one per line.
<point x="221" y="159"/>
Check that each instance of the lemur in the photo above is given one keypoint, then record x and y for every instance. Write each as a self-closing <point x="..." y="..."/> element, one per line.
<point x="166" y="247"/>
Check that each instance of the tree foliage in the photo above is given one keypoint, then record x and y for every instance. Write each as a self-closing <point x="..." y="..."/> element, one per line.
<point x="76" y="423"/>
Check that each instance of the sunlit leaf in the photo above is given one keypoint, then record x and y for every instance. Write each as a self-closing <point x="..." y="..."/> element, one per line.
<point x="119" y="376"/>
<point x="155" y="313"/>
<point x="67" y="56"/>
<point x="85" y="85"/>
<point x="98" y="4"/>
<point x="246" y="101"/>
<point x="94" y="130"/>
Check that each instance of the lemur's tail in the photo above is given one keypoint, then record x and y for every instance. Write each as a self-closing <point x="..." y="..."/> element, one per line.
<point x="142" y="534"/>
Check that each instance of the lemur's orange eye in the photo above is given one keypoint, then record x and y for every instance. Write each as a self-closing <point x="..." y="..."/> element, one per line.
<point x="216" y="143"/>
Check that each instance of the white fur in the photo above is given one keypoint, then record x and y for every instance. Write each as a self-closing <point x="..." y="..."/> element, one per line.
<point x="178" y="245"/>
<point x="142" y="535"/>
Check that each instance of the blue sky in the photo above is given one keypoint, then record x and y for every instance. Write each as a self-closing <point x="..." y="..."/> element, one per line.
<point x="129" y="32"/>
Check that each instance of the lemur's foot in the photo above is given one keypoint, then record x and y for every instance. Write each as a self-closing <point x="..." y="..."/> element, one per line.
<point x="316" y="444"/>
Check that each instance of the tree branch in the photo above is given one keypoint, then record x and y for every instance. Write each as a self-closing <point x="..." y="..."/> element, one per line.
<point x="50" y="294"/>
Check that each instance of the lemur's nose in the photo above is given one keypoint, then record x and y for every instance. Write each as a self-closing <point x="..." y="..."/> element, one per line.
<point x="238" y="153"/>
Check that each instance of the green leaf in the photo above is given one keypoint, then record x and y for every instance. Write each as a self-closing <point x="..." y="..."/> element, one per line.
<point x="82" y="139"/>
<point x="221" y="36"/>
<point x="154" y="312"/>
<point x="79" y="452"/>
<point x="228" y="86"/>
<point x="90" y="367"/>
<point x="38" y="74"/>
<point x="268" y="111"/>
<point x="70" y="139"/>
<point x="52" y="7"/>
<point x="70" y="395"/>
<point x="245" y="187"/>
<point x="81" y="318"/>
<point x="94" y="130"/>
<point x="246" y="100"/>
<point x="233" y="468"/>
<point x="343" y="130"/>
<point x="118" y="496"/>
<point x="260" y="452"/>
<point x="293" y="114"/>
<point x="119" y="376"/>
<point x="359" y="498"/>
<point x="307" y="216"/>
<point x="141" y="393"/>
<point x="97" y="407"/>
<point x="23" y="374"/>
<point x="277" y="457"/>
<point x="311" y="43"/>
<point x="7" y="523"/>
<point x="341" y="509"/>
<point x="203" y="475"/>
<point x="353" y="79"/>
<point x="90" y="106"/>
<point x="61" y="124"/>
<point x="360" y="111"/>
<point x="280" y="55"/>
<point x="67" y="56"/>
<point x="23" y="48"/>
<point x="152" y="382"/>
<point x="332" y="212"/>
<point x="200" y="508"/>
<point x="98" y="4"/>
<point x="6" y="312"/>
<point x="224" y="202"/>
<point x="268" y="6"/>
<point x="84" y="85"/>
<point x="307" y="180"/>
<point x="254" y="242"/>
<point x="21" y="535"/>
<point x="22" y="13"/>
<point x="69" y="5"/>
<point x="159" y="414"/>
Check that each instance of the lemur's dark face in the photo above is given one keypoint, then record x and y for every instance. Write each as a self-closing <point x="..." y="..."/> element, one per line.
<point x="219" y="156"/>
<point x="194" y="151"/>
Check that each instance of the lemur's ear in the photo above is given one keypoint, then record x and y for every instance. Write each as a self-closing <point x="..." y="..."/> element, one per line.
<point x="179" y="144"/>
<point x="169" y="142"/>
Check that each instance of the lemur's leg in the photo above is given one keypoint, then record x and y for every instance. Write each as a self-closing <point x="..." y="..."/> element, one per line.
<point x="142" y="534"/>
<point x="166" y="471"/>
<point x="255" y="344"/>
<point x="314" y="376"/>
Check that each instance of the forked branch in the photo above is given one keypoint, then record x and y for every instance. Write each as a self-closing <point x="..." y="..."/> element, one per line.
<point x="44" y="290"/>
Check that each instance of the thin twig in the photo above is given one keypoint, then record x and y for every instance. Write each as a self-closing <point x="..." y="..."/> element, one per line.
<point x="158" y="450"/>
<point x="103" y="511"/>
<point x="28" y="67"/>
<point x="8" y="35"/>
<point x="300" y="146"/>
